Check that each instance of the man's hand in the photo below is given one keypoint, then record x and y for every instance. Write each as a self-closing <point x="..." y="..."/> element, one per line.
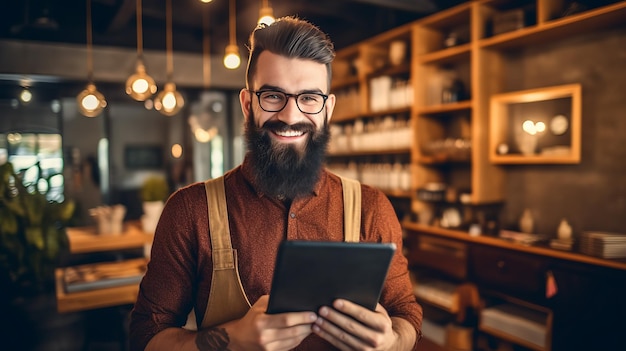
<point x="258" y="330"/>
<point x="349" y="326"/>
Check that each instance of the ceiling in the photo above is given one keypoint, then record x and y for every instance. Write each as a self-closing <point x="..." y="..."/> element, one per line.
<point x="114" y="21"/>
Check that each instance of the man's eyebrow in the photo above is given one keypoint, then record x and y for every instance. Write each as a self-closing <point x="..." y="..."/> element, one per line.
<point x="276" y="88"/>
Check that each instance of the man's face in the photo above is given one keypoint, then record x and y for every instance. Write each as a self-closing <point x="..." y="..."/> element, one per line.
<point x="291" y="76"/>
<point x="288" y="146"/>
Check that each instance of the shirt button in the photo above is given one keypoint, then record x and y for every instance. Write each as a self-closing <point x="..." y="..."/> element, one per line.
<point x="292" y="215"/>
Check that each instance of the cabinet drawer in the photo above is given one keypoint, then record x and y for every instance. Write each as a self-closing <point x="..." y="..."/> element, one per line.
<point x="508" y="270"/>
<point x="444" y="255"/>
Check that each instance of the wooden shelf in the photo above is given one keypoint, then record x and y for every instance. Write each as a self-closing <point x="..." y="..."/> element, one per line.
<point x="449" y="55"/>
<point x="370" y="152"/>
<point x="445" y="108"/>
<point x="502" y="243"/>
<point x="505" y="122"/>
<point x="545" y="33"/>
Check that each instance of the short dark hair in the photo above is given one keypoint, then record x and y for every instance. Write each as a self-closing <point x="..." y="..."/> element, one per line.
<point x="291" y="37"/>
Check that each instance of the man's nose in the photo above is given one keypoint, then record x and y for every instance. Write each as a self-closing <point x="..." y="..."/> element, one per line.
<point x="291" y="113"/>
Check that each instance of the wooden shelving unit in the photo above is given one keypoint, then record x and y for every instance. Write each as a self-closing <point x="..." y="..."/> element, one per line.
<point x="86" y="240"/>
<point x="478" y="60"/>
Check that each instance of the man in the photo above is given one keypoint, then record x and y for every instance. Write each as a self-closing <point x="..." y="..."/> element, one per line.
<point x="281" y="191"/>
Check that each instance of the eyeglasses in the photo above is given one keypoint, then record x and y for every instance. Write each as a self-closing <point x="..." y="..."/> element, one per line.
<point x="275" y="101"/>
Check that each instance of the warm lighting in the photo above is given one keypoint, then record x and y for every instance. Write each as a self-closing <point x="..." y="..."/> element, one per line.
<point x="169" y="101"/>
<point x="533" y="128"/>
<point x="26" y="96"/>
<point x="90" y="101"/>
<point x="206" y="1"/>
<point x="140" y="85"/>
<point x="266" y="14"/>
<point x="231" y="57"/>
<point x="177" y="150"/>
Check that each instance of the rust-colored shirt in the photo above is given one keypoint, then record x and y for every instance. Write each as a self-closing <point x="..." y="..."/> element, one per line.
<point x="179" y="272"/>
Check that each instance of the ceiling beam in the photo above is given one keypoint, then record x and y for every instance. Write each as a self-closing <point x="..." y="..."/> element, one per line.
<point x="417" y="6"/>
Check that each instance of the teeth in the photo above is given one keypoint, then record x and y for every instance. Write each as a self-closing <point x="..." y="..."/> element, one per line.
<point x="289" y="133"/>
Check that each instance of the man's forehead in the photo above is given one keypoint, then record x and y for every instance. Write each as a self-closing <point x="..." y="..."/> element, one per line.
<point x="289" y="73"/>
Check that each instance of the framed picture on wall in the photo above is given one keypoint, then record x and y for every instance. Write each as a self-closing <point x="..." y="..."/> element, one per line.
<point x="143" y="156"/>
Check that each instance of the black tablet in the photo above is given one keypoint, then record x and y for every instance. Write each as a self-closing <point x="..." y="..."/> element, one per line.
<point x="311" y="274"/>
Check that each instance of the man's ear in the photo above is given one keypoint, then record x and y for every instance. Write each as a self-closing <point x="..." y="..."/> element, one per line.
<point x="330" y="107"/>
<point x="245" y="99"/>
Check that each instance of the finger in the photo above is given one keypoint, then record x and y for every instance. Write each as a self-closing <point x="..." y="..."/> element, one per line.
<point x="289" y="319"/>
<point x="334" y="335"/>
<point x="371" y="319"/>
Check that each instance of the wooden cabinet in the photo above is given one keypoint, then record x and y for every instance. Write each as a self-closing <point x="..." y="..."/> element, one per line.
<point x="549" y="294"/>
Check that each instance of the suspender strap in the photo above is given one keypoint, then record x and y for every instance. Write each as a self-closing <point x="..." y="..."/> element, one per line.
<point x="227" y="300"/>
<point x="351" y="209"/>
<point x="221" y="247"/>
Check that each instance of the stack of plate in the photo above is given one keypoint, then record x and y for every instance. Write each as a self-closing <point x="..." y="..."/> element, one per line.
<point x="602" y="244"/>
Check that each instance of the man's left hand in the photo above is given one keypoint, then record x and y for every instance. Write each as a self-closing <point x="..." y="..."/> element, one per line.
<point x="349" y="326"/>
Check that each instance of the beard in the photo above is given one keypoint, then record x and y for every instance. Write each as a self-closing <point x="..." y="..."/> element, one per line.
<point x="281" y="170"/>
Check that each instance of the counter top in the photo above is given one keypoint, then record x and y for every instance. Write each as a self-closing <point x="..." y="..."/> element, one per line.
<point x="499" y="242"/>
<point x="86" y="239"/>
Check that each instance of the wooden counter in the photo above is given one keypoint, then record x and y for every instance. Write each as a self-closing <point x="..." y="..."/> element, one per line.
<point x="502" y="243"/>
<point x="85" y="239"/>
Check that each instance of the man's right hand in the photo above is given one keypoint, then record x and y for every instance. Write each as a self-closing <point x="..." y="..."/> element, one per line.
<point x="258" y="330"/>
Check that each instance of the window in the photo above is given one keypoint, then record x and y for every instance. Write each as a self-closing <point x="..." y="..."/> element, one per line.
<point x="39" y="158"/>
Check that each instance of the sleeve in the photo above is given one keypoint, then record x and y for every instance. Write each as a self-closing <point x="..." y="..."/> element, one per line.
<point x="166" y="293"/>
<point x="397" y="296"/>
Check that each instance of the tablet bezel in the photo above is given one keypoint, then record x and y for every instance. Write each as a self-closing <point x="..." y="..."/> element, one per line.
<point x="311" y="274"/>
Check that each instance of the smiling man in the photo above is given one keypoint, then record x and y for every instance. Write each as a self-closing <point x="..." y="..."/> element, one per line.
<point x="280" y="192"/>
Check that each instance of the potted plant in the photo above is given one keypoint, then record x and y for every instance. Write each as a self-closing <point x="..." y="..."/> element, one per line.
<point x="154" y="191"/>
<point x="32" y="234"/>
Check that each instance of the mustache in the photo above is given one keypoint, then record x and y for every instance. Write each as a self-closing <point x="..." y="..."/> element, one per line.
<point x="280" y="126"/>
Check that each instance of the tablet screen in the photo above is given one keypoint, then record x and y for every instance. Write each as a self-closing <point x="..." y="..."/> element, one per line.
<point x="312" y="274"/>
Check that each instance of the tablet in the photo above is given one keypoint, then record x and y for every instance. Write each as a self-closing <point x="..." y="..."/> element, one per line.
<point x="311" y="274"/>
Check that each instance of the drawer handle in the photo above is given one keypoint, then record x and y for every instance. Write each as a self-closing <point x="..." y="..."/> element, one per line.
<point x="500" y="264"/>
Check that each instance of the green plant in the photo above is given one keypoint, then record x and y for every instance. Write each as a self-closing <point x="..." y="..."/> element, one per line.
<point x="32" y="236"/>
<point x="154" y="188"/>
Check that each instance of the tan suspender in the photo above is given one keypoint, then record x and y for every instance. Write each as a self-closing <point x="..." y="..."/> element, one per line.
<point x="227" y="299"/>
<point x="351" y="209"/>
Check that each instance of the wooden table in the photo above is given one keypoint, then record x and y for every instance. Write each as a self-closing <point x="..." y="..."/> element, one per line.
<point x="85" y="240"/>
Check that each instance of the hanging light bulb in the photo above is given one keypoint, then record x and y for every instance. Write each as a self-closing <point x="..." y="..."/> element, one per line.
<point x="266" y="14"/>
<point x="232" y="59"/>
<point x="140" y="85"/>
<point x="26" y="96"/>
<point x="90" y="100"/>
<point x="169" y="101"/>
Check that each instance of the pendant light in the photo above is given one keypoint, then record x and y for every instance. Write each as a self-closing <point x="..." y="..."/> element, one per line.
<point x="169" y="101"/>
<point x="90" y="101"/>
<point x="231" y="57"/>
<point x="140" y="85"/>
<point x="266" y="14"/>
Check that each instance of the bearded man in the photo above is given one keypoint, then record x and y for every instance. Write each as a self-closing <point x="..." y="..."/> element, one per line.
<point x="280" y="192"/>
